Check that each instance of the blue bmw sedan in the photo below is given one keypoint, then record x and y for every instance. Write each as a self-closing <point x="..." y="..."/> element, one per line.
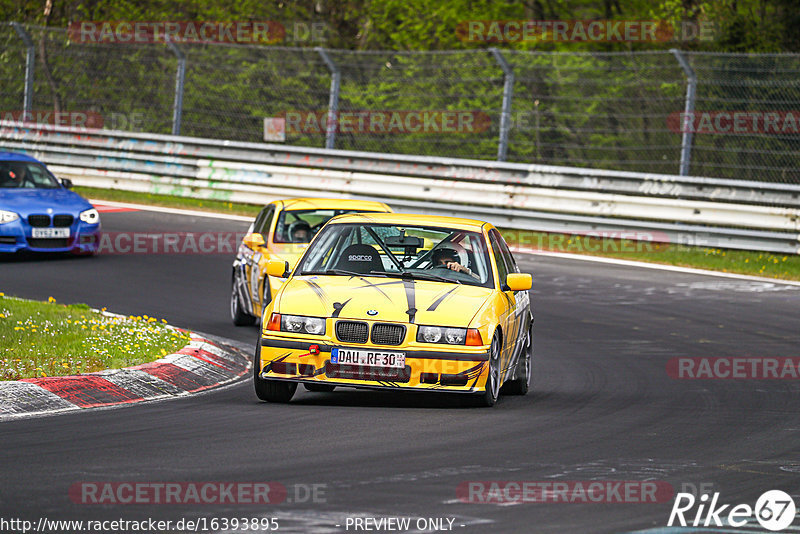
<point x="39" y="213"/>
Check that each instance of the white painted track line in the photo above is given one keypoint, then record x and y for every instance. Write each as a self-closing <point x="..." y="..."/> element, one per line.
<point x="581" y="257"/>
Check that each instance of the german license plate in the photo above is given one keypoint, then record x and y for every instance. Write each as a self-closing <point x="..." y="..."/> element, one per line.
<point x="50" y="232"/>
<point x="370" y="358"/>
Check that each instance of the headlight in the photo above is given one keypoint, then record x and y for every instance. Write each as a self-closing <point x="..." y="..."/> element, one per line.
<point x="8" y="216"/>
<point x="439" y="334"/>
<point x="302" y="325"/>
<point x="90" y="216"/>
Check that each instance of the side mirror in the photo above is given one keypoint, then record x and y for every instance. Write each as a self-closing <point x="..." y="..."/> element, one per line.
<point x="66" y="182"/>
<point x="519" y="281"/>
<point x="278" y="268"/>
<point x="253" y="241"/>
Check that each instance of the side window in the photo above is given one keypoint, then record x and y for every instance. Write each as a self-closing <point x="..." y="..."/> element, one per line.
<point x="264" y="221"/>
<point x="259" y="219"/>
<point x="507" y="256"/>
<point x="502" y="269"/>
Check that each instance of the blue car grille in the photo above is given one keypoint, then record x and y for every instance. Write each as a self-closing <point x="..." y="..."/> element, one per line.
<point x="41" y="242"/>
<point x="39" y="220"/>
<point x="61" y="221"/>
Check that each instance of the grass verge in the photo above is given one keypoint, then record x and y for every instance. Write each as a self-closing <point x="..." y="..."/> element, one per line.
<point x="169" y="201"/>
<point x="763" y="264"/>
<point x="49" y="339"/>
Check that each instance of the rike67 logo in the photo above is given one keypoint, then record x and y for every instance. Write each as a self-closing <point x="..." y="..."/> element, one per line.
<point x="774" y="510"/>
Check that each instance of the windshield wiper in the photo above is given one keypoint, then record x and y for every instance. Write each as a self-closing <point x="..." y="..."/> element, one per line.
<point x="424" y="276"/>
<point x="336" y="272"/>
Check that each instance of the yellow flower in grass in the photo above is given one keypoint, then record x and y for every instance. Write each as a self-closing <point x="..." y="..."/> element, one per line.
<point x="51" y="299"/>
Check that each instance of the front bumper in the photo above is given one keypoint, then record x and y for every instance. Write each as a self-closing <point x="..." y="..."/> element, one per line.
<point x="305" y="360"/>
<point x="16" y="236"/>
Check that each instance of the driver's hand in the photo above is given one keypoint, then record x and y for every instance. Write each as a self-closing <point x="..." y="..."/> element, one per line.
<point x="454" y="266"/>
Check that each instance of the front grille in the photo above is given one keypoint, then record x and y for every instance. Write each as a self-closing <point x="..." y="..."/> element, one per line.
<point x="388" y="334"/>
<point x="363" y="372"/>
<point x="352" y="331"/>
<point x="62" y="221"/>
<point x="39" y="221"/>
<point x="40" y="242"/>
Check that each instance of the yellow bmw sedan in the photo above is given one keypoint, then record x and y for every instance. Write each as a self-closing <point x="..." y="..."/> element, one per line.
<point x="282" y="231"/>
<point x="394" y="301"/>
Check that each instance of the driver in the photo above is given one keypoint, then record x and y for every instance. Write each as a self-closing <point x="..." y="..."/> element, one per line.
<point x="17" y="175"/>
<point x="300" y="232"/>
<point x="447" y="257"/>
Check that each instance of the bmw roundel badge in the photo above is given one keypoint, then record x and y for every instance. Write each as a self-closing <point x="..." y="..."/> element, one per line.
<point x="372" y="312"/>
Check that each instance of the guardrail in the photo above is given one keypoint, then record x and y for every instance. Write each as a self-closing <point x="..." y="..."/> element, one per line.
<point x="691" y="210"/>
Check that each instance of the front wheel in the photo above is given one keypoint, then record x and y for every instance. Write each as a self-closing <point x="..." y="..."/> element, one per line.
<point x="522" y="381"/>
<point x="238" y="315"/>
<point x="492" y="390"/>
<point x="270" y="390"/>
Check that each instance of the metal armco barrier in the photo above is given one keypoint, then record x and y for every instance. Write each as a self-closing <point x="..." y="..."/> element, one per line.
<point x="689" y="210"/>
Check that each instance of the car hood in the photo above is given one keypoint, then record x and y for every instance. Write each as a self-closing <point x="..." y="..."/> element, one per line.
<point x="28" y="201"/>
<point x="352" y="297"/>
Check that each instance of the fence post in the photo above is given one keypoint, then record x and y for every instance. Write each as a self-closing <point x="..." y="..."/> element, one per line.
<point x="180" y="77"/>
<point x="30" y="55"/>
<point x="508" y="94"/>
<point x="333" y="102"/>
<point x="687" y="124"/>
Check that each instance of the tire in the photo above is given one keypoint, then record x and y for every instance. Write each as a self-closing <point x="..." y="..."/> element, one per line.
<point x="266" y="298"/>
<point x="270" y="390"/>
<point x="492" y="390"/>
<point x="319" y="388"/>
<point x="522" y="381"/>
<point x="238" y="315"/>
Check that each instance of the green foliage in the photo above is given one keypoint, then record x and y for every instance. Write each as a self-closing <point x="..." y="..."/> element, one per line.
<point x="599" y="105"/>
<point x="744" y="25"/>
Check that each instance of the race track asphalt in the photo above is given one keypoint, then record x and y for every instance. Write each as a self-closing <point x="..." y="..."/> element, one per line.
<point x="602" y="408"/>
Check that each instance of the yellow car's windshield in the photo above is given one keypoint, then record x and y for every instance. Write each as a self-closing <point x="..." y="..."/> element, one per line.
<point x="422" y="252"/>
<point x="300" y="226"/>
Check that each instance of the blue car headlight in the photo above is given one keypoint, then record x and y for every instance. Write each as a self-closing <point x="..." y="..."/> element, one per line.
<point x="8" y="216"/>
<point x="90" y="216"/>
